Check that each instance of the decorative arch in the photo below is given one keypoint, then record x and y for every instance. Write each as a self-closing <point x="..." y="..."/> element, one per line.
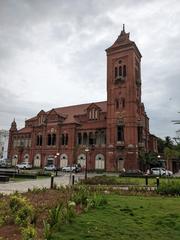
<point x="26" y="157"/>
<point x="37" y="160"/>
<point x="99" y="161"/>
<point x="14" y="160"/>
<point x="82" y="160"/>
<point x="63" y="160"/>
<point x="120" y="163"/>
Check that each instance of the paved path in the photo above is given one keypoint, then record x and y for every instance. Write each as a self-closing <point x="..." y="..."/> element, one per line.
<point x="10" y="187"/>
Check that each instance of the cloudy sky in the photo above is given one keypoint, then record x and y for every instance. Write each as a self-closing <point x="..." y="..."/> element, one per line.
<point x="52" y="54"/>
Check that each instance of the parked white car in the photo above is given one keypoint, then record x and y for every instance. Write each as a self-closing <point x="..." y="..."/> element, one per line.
<point x="24" y="165"/>
<point x="161" y="172"/>
<point x="69" y="169"/>
<point x="50" y="167"/>
<point x="75" y="168"/>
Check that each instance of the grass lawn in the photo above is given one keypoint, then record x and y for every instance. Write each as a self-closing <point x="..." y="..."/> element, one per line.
<point x="135" y="181"/>
<point x="127" y="217"/>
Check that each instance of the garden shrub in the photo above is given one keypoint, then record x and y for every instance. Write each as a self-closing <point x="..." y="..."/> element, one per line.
<point x="28" y="233"/>
<point x="170" y="188"/>
<point x="81" y="195"/>
<point x="24" y="215"/>
<point x="22" y="210"/>
<point x="16" y="203"/>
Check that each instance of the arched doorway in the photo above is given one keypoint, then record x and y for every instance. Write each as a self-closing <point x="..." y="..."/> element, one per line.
<point x="63" y="160"/>
<point x="99" y="161"/>
<point x="82" y="160"/>
<point x="14" y="160"/>
<point x="120" y="164"/>
<point x="26" y="158"/>
<point x="37" y="160"/>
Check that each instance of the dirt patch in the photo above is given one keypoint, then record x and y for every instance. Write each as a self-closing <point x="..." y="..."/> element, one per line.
<point x="42" y="201"/>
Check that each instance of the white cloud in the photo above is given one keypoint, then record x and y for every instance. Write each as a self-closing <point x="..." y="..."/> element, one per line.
<point x="52" y="54"/>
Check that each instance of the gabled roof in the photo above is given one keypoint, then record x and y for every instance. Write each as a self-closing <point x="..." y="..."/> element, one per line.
<point x="70" y="111"/>
<point x="81" y="109"/>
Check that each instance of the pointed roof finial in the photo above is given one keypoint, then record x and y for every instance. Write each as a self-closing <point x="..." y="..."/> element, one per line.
<point x="123" y="27"/>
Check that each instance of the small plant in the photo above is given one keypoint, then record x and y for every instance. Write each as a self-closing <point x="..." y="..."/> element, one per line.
<point x="68" y="213"/>
<point x="54" y="215"/>
<point x="96" y="201"/>
<point x="16" y="202"/>
<point x="22" y="210"/>
<point x="81" y="195"/>
<point x="24" y="215"/>
<point x="47" y="231"/>
<point x="28" y="233"/>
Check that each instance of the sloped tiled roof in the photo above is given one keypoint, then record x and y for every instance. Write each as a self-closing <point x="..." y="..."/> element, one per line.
<point x="70" y="111"/>
<point x="25" y="130"/>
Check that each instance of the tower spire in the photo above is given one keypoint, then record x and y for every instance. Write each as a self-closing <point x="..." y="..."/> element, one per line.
<point x="123" y="27"/>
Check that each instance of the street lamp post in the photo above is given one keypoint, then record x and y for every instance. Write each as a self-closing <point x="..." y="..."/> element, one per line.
<point x="86" y="151"/>
<point x="56" y="164"/>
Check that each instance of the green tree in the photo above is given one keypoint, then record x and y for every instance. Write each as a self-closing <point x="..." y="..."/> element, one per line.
<point x="148" y="160"/>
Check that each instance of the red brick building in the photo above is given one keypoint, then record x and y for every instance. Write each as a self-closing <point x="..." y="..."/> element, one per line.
<point x="115" y="131"/>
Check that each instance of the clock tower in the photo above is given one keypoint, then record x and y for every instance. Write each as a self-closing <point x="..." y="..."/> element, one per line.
<point x="124" y="130"/>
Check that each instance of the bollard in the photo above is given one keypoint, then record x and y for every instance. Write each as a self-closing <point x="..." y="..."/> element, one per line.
<point x="157" y="181"/>
<point x="56" y="172"/>
<point x="146" y="179"/>
<point x="52" y="181"/>
<point x="73" y="179"/>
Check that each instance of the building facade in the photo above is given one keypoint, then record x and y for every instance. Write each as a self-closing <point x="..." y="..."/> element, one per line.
<point x="4" y="137"/>
<point x="106" y="135"/>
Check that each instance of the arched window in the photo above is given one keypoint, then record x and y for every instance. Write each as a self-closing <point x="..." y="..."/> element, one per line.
<point x="120" y="71"/>
<point x="40" y="140"/>
<point x="124" y="71"/>
<point x="37" y="140"/>
<point x="120" y="133"/>
<point x="53" y="139"/>
<point x="49" y="140"/>
<point x="117" y="103"/>
<point x="79" y="139"/>
<point x="85" y="139"/>
<point x="116" y="72"/>
<point x="64" y="139"/>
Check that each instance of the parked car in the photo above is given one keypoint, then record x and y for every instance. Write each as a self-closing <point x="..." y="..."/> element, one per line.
<point x="50" y="167"/>
<point x="161" y="172"/>
<point x="24" y="165"/>
<point x="5" y="163"/>
<point x="74" y="168"/>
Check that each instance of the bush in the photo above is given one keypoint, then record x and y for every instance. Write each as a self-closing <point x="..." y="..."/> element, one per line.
<point x="22" y="210"/>
<point x="170" y="188"/>
<point x="28" y="233"/>
<point x="81" y="195"/>
<point x="16" y="203"/>
<point x="24" y="215"/>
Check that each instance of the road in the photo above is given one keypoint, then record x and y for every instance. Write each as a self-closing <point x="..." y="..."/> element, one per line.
<point x="11" y="187"/>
